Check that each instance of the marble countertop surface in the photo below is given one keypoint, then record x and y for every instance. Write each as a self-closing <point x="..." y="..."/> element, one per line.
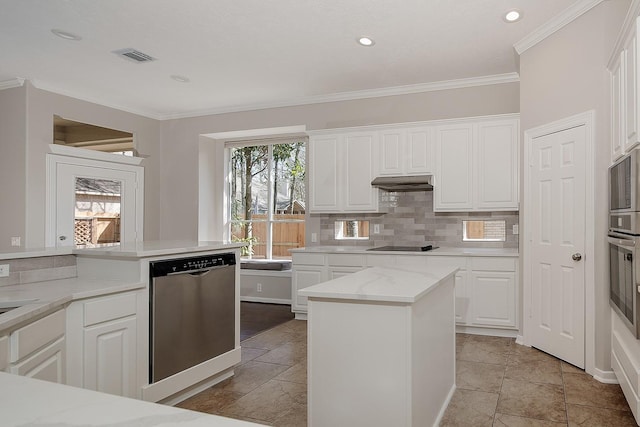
<point x="441" y="251"/>
<point x="41" y="297"/>
<point x="153" y="248"/>
<point x="403" y="285"/>
<point x="29" y="402"/>
<point x="132" y="250"/>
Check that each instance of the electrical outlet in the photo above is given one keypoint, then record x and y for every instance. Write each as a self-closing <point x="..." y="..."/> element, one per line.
<point x="515" y="229"/>
<point x="376" y="228"/>
<point x="15" y="241"/>
<point x="4" y="270"/>
<point x="314" y="237"/>
<point x="259" y="287"/>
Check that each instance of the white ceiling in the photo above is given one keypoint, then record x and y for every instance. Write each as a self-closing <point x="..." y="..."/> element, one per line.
<point x="243" y="54"/>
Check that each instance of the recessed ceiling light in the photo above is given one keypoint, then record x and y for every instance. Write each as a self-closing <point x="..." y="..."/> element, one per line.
<point x="513" y="15"/>
<point x="66" y="35"/>
<point x="181" y="79"/>
<point x="366" y="41"/>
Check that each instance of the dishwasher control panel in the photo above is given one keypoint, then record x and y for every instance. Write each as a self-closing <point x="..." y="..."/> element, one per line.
<point x="185" y="265"/>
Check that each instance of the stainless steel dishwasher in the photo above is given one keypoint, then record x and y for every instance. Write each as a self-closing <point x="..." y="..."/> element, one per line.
<point x="192" y="310"/>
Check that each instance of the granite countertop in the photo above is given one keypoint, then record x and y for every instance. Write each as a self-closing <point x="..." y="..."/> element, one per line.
<point x="441" y="251"/>
<point x="406" y="285"/>
<point x="18" y="253"/>
<point x="42" y="297"/>
<point x="29" y="402"/>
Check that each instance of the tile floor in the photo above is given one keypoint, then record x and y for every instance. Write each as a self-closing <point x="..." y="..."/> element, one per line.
<point x="499" y="383"/>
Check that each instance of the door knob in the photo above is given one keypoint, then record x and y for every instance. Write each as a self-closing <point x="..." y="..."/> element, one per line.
<point x="62" y="238"/>
<point x="576" y="257"/>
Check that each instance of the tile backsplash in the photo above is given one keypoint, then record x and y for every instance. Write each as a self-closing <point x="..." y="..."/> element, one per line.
<point x="407" y="219"/>
<point x="39" y="269"/>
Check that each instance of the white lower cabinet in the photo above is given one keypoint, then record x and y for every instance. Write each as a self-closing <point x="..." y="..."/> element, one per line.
<point x="485" y="287"/>
<point x="103" y="343"/>
<point x="38" y="349"/>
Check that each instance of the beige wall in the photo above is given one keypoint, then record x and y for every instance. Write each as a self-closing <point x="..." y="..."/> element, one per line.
<point x="28" y="138"/>
<point x="13" y="134"/>
<point x="180" y="138"/>
<point x="565" y="75"/>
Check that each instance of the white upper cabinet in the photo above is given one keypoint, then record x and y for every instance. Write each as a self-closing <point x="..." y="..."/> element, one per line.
<point x="496" y="157"/>
<point x="406" y="151"/>
<point x="477" y="166"/>
<point x="454" y="168"/>
<point x="341" y="169"/>
<point x="630" y="87"/>
<point x="617" y="124"/>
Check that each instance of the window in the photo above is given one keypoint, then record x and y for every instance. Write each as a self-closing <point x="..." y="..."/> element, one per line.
<point x="267" y="198"/>
<point x="484" y="231"/>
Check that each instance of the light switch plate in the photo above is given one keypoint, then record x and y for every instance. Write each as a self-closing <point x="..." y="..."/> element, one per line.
<point x="4" y="270"/>
<point x="515" y="229"/>
<point x="376" y="228"/>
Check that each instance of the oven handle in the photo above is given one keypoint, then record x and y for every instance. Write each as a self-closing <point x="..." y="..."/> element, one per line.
<point x="621" y="241"/>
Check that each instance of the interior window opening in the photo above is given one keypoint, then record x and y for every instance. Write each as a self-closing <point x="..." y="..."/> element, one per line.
<point x="82" y="135"/>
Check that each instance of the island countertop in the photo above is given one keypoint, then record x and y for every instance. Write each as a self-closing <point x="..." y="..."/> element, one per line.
<point x="399" y="285"/>
<point x="26" y="401"/>
<point x="440" y="251"/>
<point x="152" y="248"/>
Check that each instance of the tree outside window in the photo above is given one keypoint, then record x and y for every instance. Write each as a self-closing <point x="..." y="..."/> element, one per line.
<point x="267" y="202"/>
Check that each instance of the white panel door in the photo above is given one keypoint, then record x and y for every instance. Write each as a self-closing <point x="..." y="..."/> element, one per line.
<point x="497" y="165"/>
<point x="454" y="165"/>
<point x="303" y="277"/>
<point x="493" y="296"/>
<point x="557" y="237"/>
<point x="110" y="357"/>
<point x="47" y="364"/>
<point x="360" y="157"/>
<point x="323" y="174"/>
<point x="66" y="204"/>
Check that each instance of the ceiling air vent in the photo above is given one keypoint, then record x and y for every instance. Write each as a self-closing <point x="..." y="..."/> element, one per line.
<point x="134" y="55"/>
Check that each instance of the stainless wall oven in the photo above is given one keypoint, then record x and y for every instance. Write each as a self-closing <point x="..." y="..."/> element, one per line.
<point x="624" y="239"/>
<point x="624" y="290"/>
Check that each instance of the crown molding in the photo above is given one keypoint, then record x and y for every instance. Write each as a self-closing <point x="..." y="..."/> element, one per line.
<point x="556" y="23"/>
<point x="8" y="84"/>
<point x="354" y="95"/>
<point x="629" y="22"/>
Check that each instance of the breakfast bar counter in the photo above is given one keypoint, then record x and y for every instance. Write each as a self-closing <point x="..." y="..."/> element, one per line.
<point x="381" y="347"/>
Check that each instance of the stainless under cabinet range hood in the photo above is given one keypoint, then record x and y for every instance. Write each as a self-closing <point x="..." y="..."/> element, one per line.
<point x="403" y="183"/>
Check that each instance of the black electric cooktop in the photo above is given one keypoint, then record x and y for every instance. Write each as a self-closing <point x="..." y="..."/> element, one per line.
<point x="404" y="248"/>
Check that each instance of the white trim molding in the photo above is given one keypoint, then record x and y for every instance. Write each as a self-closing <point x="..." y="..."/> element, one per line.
<point x="556" y="23"/>
<point x="586" y="119"/>
<point x="83" y="153"/>
<point x="8" y="84"/>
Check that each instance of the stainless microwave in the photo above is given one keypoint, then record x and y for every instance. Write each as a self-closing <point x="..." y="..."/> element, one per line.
<point x="624" y="184"/>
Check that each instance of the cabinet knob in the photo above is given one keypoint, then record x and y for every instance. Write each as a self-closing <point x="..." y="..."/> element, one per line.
<point x="576" y="256"/>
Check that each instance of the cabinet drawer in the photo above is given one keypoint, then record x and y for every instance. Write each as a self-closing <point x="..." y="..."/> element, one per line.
<point x="448" y="261"/>
<point x="109" y="308"/>
<point x="493" y="264"/>
<point x="308" y="259"/>
<point x="28" y="339"/>
<point x="347" y="260"/>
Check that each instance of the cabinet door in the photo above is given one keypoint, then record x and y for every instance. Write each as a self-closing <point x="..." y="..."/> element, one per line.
<point x="462" y="298"/>
<point x="419" y="151"/>
<point x="47" y="364"/>
<point x="391" y="157"/>
<point x="454" y="175"/>
<point x="359" y="159"/>
<point x="323" y="174"/>
<point x="303" y="277"/>
<point x="630" y="79"/>
<point x="617" y="100"/>
<point x="335" y="272"/>
<point x="493" y="296"/>
<point x="110" y="357"/>
<point x="496" y="157"/>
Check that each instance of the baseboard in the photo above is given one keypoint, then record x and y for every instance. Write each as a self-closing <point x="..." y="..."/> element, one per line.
<point x="301" y="316"/>
<point x="493" y="332"/>
<point x="444" y="407"/>
<point x="519" y="339"/>
<point x="607" y="377"/>
<point x="267" y="300"/>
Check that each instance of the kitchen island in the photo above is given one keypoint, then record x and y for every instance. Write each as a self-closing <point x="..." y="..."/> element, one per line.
<point x="381" y="347"/>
